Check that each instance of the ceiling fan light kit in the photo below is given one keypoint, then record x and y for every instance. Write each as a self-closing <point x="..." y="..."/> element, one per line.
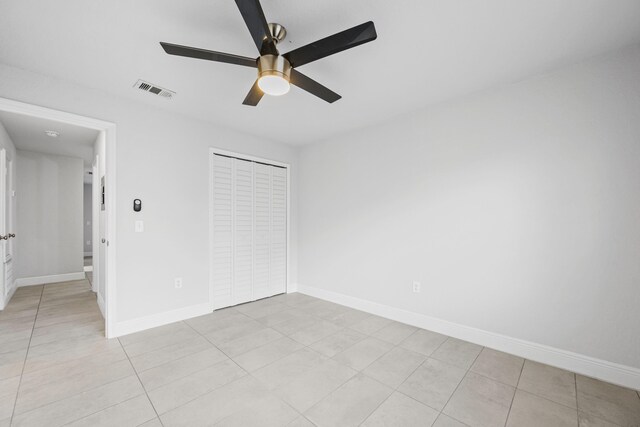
<point x="276" y="73"/>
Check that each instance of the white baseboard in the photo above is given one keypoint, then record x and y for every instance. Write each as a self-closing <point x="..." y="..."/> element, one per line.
<point x="88" y="268"/>
<point x="54" y="278"/>
<point x="292" y="287"/>
<point x="140" y="324"/>
<point x="101" y="304"/>
<point x="615" y="373"/>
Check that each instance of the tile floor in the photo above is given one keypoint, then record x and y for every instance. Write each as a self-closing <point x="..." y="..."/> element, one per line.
<point x="288" y="360"/>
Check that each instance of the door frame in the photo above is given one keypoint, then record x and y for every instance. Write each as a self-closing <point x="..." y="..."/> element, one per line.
<point x="109" y="130"/>
<point x="4" y="177"/>
<point x="95" y="224"/>
<point x="287" y="167"/>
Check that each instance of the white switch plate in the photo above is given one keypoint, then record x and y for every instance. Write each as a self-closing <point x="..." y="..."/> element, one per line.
<point x="139" y="226"/>
<point x="416" y="287"/>
<point x="178" y="282"/>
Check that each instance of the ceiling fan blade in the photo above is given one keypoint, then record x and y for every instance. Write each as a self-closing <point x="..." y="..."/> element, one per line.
<point x="254" y="96"/>
<point x="209" y="55"/>
<point x="253" y="16"/>
<point x="313" y="87"/>
<point x="338" y="42"/>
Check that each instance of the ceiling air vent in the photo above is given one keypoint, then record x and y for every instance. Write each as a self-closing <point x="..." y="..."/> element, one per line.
<point x="156" y="90"/>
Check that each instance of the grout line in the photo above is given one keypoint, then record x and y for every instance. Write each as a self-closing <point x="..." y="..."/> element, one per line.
<point x="26" y="354"/>
<point x="514" y="394"/>
<point x="575" y="385"/>
<point x="215" y="346"/>
<point x="460" y="382"/>
<point x="173" y="360"/>
<point x="140" y="381"/>
<point x="105" y="408"/>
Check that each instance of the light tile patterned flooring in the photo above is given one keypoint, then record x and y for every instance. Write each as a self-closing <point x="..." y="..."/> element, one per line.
<point x="287" y="360"/>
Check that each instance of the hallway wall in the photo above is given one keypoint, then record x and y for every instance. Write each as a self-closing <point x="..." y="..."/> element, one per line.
<point x="49" y="207"/>
<point x="87" y="242"/>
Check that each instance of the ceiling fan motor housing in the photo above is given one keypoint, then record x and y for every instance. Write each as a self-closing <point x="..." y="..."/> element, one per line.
<point x="274" y="65"/>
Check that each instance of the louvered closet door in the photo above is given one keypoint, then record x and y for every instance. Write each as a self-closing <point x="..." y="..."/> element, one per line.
<point x="249" y="257"/>
<point x="278" y="247"/>
<point x="242" y="232"/>
<point x="262" y="230"/>
<point x="222" y="256"/>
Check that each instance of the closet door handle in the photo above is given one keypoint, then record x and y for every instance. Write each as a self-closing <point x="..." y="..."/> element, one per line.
<point x="4" y="237"/>
<point x="12" y="234"/>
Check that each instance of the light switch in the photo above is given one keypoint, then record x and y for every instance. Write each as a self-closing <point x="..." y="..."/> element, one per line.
<point x="139" y="226"/>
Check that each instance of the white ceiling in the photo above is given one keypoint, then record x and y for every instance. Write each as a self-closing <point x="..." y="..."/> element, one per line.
<point x="28" y="133"/>
<point x="427" y="51"/>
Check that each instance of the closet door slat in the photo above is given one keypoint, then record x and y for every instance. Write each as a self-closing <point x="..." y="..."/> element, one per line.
<point x="242" y="231"/>
<point x="222" y="257"/>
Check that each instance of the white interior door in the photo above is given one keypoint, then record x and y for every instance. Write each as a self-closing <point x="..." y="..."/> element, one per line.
<point x="6" y="229"/>
<point x="249" y="231"/>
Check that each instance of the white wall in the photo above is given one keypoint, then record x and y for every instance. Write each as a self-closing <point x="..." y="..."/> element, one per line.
<point x="87" y="243"/>
<point x="49" y="205"/>
<point x="518" y="210"/>
<point x="162" y="158"/>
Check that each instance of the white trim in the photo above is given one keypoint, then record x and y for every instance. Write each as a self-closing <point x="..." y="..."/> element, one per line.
<point x="100" y="303"/>
<point x="292" y="287"/>
<point x="109" y="129"/>
<point x="214" y="150"/>
<point x="95" y="221"/>
<point x="147" y="322"/>
<point x="287" y="166"/>
<point x="53" y="278"/>
<point x="615" y="373"/>
<point x="88" y="268"/>
<point x="211" y="189"/>
<point x="7" y="300"/>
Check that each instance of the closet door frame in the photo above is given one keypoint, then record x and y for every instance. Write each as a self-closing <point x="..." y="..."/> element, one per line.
<point x="212" y="152"/>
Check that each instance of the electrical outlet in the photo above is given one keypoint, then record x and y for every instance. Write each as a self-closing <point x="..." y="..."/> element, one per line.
<point x="416" y="287"/>
<point x="178" y="282"/>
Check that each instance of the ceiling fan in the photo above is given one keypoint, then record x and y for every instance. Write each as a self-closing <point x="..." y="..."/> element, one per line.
<point x="276" y="72"/>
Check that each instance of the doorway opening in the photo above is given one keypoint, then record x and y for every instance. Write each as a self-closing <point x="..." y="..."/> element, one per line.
<point x="60" y="178"/>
